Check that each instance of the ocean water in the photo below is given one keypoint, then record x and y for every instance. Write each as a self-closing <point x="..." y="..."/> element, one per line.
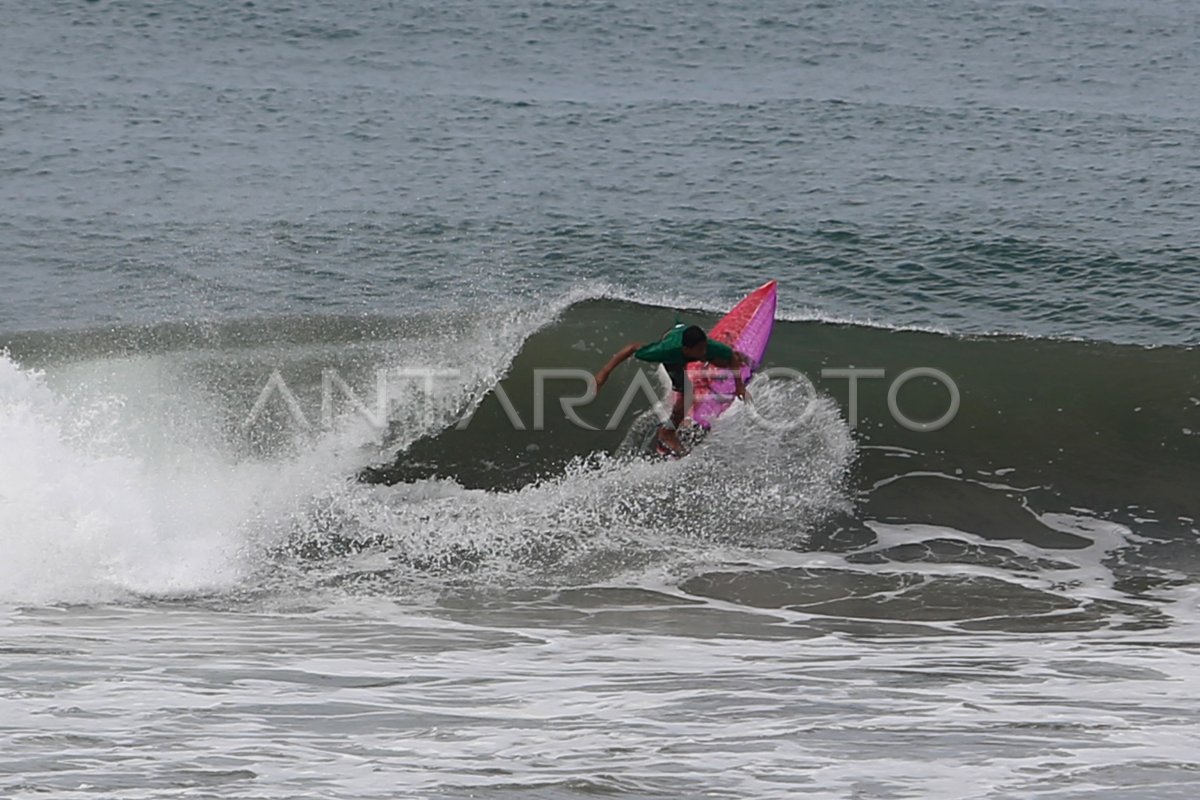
<point x="291" y="507"/>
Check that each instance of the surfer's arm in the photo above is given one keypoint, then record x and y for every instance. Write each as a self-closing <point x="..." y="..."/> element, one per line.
<point x="622" y="354"/>
<point x="737" y="361"/>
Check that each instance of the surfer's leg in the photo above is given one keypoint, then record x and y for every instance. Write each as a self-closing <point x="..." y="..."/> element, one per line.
<point x="668" y="434"/>
<point x="677" y="411"/>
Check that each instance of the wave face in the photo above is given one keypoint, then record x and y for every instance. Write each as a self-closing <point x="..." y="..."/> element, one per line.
<point x="382" y="453"/>
<point x="1059" y="414"/>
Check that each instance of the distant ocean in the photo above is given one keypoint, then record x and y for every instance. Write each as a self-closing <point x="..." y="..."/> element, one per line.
<point x="281" y="514"/>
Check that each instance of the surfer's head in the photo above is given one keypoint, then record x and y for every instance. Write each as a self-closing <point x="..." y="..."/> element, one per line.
<point x="695" y="342"/>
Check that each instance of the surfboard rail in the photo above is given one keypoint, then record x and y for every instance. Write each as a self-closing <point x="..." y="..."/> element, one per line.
<point x="747" y="329"/>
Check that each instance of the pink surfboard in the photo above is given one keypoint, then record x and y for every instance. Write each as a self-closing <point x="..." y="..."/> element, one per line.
<point x="746" y="328"/>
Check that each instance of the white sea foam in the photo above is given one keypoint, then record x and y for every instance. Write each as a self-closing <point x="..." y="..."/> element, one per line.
<point x="120" y="474"/>
<point x="84" y="518"/>
<point x="745" y="483"/>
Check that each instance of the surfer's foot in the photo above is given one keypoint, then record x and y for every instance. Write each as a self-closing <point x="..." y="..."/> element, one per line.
<point x="669" y="439"/>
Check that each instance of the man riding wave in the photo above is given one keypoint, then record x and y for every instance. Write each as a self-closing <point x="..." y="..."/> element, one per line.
<point x="680" y="346"/>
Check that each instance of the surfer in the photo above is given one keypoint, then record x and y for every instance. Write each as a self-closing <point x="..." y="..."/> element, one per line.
<point x="678" y="347"/>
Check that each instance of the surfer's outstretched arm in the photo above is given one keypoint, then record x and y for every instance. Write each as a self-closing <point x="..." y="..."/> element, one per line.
<point x="622" y="354"/>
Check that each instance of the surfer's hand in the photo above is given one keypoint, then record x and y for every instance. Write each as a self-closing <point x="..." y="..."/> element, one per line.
<point x="742" y="394"/>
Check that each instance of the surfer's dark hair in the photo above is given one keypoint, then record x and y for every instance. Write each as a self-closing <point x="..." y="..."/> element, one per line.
<point x="694" y="335"/>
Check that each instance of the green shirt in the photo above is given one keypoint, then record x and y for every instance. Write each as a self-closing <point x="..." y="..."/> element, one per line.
<point x="668" y="351"/>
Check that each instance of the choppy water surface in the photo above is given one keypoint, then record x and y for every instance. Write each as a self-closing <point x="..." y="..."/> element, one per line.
<point x="1009" y="166"/>
<point x="606" y="691"/>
